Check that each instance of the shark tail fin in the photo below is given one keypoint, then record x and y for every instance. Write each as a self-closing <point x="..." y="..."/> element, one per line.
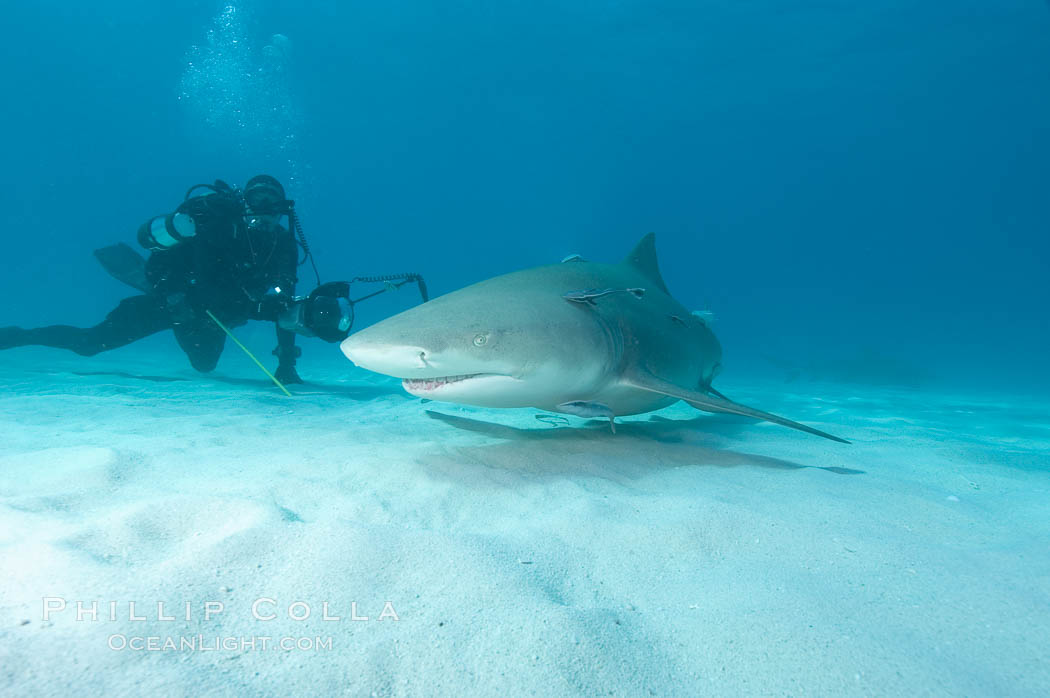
<point x="643" y="258"/>
<point x="710" y="403"/>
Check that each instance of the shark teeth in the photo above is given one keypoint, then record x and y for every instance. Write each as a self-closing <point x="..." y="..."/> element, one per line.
<point x="435" y="383"/>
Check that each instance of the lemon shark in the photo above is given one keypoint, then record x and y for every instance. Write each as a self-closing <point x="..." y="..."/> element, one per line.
<point x="579" y="337"/>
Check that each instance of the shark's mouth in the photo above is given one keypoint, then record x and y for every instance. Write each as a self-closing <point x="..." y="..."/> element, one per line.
<point x="429" y="384"/>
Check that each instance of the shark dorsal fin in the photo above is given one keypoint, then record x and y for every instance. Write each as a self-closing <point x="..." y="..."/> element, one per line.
<point x="643" y="258"/>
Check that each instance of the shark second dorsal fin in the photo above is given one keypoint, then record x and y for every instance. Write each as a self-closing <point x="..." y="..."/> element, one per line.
<point x="643" y="258"/>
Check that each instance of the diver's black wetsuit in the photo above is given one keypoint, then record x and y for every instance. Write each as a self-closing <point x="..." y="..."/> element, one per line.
<point x="227" y="267"/>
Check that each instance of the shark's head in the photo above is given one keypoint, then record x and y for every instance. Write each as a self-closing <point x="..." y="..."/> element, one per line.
<point x="506" y="342"/>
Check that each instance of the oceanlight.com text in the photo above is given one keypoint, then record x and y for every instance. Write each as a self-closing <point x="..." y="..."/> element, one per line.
<point x="214" y="643"/>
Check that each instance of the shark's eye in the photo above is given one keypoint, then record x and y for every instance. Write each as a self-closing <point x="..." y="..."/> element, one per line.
<point x="480" y="340"/>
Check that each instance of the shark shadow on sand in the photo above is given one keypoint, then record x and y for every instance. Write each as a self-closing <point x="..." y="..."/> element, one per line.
<point x="590" y="450"/>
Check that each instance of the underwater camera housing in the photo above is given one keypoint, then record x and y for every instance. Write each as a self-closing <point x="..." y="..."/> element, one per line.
<point x="327" y="313"/>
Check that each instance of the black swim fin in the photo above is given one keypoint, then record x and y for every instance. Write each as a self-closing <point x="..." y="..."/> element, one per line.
<point x="124" y="264"/>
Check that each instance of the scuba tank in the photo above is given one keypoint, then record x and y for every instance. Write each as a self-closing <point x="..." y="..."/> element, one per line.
<point x="167" y="231"/>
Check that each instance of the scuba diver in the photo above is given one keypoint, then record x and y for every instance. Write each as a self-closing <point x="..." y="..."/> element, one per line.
<point x="221" y="256"/>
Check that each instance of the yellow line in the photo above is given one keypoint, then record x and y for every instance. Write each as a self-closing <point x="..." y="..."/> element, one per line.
<point x="250" y="355"/>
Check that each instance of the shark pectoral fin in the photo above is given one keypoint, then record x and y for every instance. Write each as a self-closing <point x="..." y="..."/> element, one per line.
<point x="586" y="408"/>
<point x="709" y="403"/>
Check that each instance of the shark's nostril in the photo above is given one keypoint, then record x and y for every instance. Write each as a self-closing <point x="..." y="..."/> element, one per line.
<point x="422" y="359"/>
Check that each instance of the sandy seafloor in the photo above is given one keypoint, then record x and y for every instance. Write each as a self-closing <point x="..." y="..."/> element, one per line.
<point x="688" y="554"/>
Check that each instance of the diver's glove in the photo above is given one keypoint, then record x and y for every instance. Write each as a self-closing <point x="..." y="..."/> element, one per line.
<point x="275" y="304"/>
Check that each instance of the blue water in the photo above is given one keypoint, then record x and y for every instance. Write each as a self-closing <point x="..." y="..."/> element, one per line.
<point x="835" y="180"/>
<point x="857" y="190"/>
